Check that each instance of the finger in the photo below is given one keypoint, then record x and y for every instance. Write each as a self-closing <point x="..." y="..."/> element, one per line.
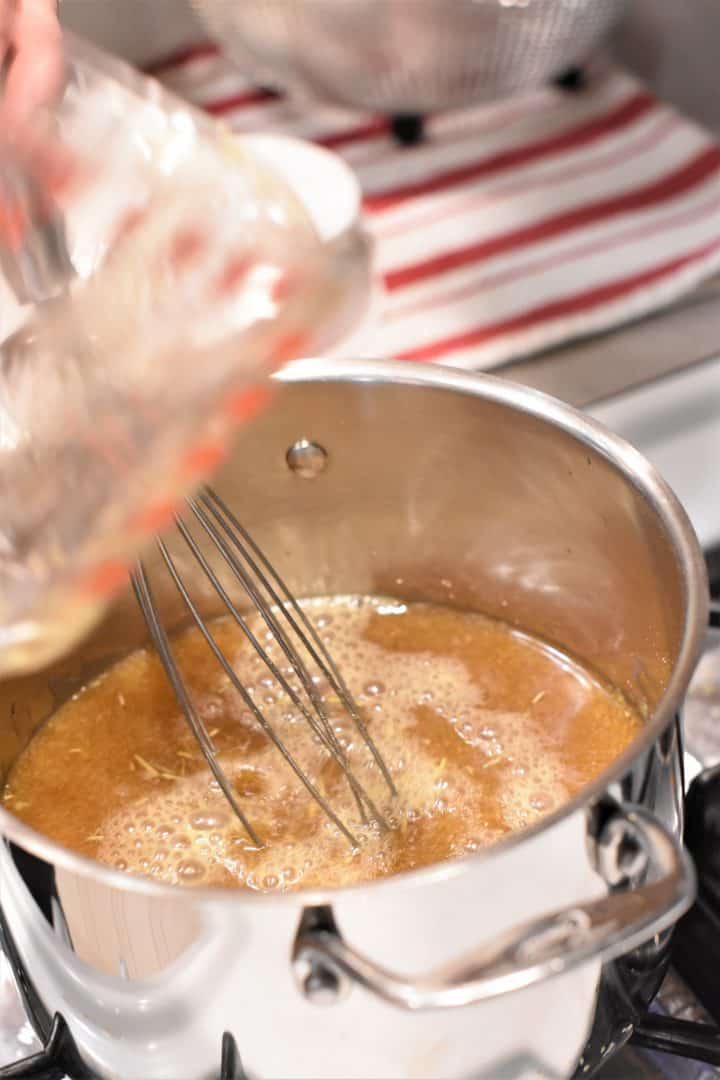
<point x="7" y="18"/>
<point x="35" y="75"/>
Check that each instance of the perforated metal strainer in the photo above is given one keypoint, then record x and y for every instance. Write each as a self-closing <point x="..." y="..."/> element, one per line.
<point x="400" y="56"/>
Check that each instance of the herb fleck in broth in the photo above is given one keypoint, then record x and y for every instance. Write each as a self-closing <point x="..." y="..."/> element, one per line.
<point x="485" y="731"/>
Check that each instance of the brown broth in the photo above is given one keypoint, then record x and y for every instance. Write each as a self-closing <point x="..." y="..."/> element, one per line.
<point x="484" y="729"/>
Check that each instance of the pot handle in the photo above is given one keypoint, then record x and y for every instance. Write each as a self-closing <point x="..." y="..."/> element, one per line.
<point x="633" y="844"/>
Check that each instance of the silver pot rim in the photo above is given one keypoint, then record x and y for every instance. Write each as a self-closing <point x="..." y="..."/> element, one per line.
<point x="636" y="468"/>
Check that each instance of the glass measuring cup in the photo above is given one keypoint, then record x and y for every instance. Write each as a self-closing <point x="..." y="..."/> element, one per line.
<point x="201" y="273"/>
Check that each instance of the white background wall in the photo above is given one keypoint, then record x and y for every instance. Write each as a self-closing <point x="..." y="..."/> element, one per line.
<point x="139" y="30"/>
<point x="675" y="45"/>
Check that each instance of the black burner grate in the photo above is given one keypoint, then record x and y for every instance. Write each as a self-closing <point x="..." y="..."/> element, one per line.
<point x="696" y="945"/>
<point x="57" y="1060"/>
<point x="713" y="564"/>
<point x="60" y="1060"/>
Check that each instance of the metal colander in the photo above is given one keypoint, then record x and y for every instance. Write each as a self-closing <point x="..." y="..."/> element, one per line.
<point x="408" y="56"/>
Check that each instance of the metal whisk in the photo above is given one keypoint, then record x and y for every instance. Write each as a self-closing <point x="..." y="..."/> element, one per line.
<point x="290" y="628"/>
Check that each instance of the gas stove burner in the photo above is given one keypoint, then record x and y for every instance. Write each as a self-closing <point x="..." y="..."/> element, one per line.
<point x="56" y="1061"/>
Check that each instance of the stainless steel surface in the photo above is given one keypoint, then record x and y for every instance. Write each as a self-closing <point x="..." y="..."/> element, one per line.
<point x="138" y="31"/>
<point x="590" y="370"/>
<point x="658" y="37"/>
<point x="540" y="950"/>
<point x="293" y="633"/>
<point x="408" y="56"/>
<point x="675" y="422"/>
<point x="439" y="485"/>
<point x="307" y="459"/>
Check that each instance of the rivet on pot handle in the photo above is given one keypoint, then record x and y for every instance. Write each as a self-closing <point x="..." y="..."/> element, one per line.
<point x="599" y="929"/>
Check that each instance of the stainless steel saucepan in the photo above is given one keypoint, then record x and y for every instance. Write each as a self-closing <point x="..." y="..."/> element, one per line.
<point x="509" y="963"/>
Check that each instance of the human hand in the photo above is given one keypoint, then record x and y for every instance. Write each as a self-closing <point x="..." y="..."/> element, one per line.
<point x="31" y="50"/>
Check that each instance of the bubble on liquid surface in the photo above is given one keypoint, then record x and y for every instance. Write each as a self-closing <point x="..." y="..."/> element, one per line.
<point x="211" y="708"/>
<point x="374" y="688"/>
<point x="477" y="757"/>
<point x="190" y="870"/>
<point x="209" y="820"/>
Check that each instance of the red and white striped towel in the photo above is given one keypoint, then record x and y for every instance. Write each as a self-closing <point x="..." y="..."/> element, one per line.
<point x="516" y="226"/>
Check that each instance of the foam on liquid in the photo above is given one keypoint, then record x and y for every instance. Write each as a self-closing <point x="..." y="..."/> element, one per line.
<point x="484" y="729"/>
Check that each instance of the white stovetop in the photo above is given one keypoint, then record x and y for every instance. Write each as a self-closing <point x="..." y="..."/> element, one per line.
<point x="676" y="424"/>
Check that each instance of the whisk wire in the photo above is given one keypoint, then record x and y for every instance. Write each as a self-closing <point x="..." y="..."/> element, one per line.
<point x="323" y="732"/>
<point x="289" y="629"/>
<point x="273" y="624"/>
<point x="143" y="593"/>
<point x="251" y="705"/>
<point x="267" y="609"/>
<point x="307" y="633"/>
